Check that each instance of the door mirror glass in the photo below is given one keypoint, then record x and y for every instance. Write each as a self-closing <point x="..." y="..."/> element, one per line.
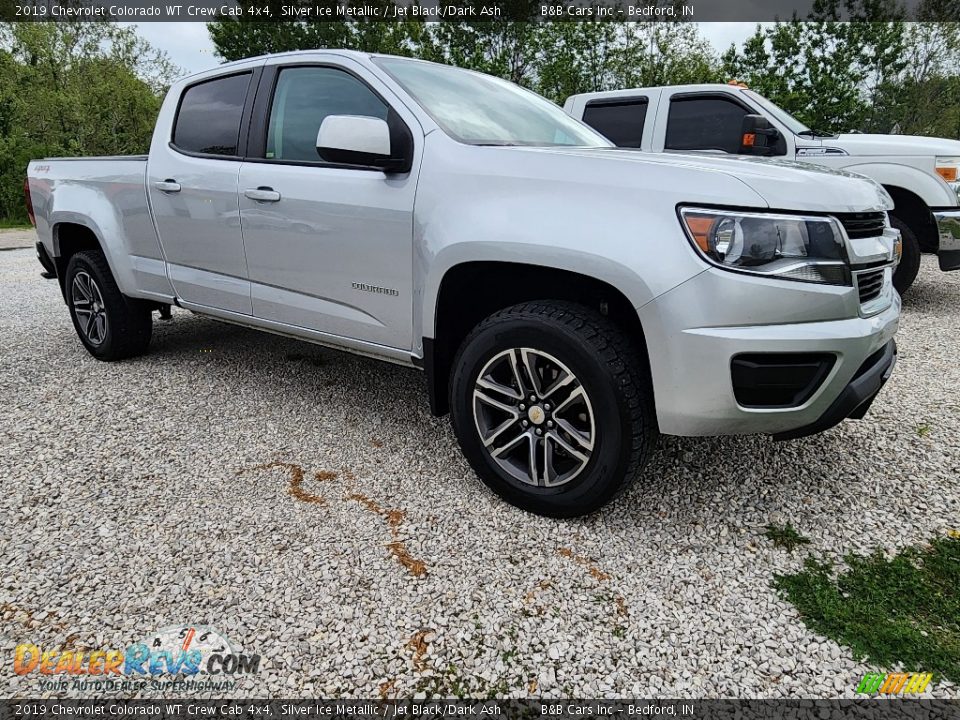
<point x="758" y="137"/>
<point x="355" y="140"/>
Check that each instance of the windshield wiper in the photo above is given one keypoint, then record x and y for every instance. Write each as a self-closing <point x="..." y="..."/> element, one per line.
<point x="815" y="133"/>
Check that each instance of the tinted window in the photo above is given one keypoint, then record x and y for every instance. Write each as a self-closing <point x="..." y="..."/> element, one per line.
<point x="209" y="117"/>
<point x="303" y="98"/>
<point x="621" y="122"/>
<point x="704" y="124"/>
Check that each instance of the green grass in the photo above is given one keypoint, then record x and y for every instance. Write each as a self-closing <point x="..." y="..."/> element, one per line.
<point x="785" y="537"/>
<point x="904" y="610"/>
<point x="14" y="224"/>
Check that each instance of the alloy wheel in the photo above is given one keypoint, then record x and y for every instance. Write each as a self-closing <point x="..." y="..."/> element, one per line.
<point x="89" y="308"/>
<point x="534" y="417"/>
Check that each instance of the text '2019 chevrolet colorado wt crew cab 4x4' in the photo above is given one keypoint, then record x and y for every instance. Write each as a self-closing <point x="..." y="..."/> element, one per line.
<point x="568" y="300"/>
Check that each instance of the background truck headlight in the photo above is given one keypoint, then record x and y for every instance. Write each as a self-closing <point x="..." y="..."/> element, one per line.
<point x="790" y="247"/>
<point x="949" y="169"/>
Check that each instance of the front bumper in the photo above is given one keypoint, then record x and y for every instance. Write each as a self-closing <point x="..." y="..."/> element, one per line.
<point x="695" y="331"/>
<point x="948" y="227"/>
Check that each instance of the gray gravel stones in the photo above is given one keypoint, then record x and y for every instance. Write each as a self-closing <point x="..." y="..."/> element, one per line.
<point x="305" y="503"/>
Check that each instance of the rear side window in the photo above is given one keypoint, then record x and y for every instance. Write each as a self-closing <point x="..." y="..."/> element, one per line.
<point x="304" y="96"/>
<point x="210" y="113"/>
<point x="705" y="123"/>
<point x="619" y="121"/>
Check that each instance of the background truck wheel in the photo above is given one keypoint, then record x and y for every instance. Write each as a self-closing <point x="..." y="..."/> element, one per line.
<point x="909" y="266"/>
<point x="110" y="325"/>
<point x="553" y="407"/>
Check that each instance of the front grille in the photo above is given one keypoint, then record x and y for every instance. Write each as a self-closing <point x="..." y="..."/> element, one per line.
<point x="870" y="284"/>
<point x="863" y="225"/>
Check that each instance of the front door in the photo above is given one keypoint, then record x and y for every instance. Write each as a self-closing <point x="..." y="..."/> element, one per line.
<point x="192" y="181"/>
<point x="329" y="247"/>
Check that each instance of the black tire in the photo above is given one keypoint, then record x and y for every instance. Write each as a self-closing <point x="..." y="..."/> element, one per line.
<point x="909" y="266"/>
<point x="614" y="377"/>
<point x="128" y="322"/>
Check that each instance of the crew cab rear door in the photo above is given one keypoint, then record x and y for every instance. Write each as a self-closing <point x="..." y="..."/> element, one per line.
<point x="192" y="182"/>
<point x="329" y="246"/>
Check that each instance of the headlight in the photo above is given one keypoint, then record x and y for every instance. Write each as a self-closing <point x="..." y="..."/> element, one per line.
<point x="790" y="247"/>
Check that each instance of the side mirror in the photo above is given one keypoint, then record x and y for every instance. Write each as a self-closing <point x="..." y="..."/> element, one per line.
<point x="364" y="141"/>
<point x="757" y="136"/>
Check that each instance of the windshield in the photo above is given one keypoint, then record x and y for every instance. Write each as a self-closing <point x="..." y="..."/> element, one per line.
<point x="483" y="110"/>
<point x="794" y="125"/>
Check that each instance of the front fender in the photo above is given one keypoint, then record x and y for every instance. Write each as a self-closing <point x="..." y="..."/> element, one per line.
<point x="928" y="187"/>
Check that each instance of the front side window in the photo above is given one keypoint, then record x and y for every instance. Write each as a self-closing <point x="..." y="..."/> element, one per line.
<point x="705" y="123"/>
<point x="304" y="96"/>
<point x="209" y="118"/>
<point x="482" y="110"/>
<point x="620" y="121"/>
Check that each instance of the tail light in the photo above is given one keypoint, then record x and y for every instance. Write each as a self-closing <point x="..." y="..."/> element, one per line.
<point x="26" y="195"/>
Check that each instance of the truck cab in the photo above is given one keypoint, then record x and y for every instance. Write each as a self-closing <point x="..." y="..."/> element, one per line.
<point x="920" y="173"/>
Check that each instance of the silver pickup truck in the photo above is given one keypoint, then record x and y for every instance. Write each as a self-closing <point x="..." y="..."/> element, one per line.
<point x="566" y="299"/>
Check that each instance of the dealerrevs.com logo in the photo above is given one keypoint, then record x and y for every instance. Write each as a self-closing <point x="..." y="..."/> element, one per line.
<point x="181" y="649"/>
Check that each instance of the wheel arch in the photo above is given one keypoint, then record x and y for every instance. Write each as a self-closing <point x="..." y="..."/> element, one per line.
<point x="914" y="211"/>
<point x="471" y="291"/>
<point x="70" y="237"/>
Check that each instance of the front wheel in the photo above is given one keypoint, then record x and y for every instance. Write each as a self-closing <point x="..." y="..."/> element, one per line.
<point x="110" y="325"/>
<point x="909" y="266"/>
<point x="552" y="406"/>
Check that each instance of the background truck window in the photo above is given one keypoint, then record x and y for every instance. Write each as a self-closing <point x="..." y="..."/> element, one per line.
<point x="620" y="121"/>
<point x="209" y="117"/>
<point x="704" y="123"/>
<point x="303" y="98"/>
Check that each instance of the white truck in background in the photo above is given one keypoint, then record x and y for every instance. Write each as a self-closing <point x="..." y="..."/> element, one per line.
<point x="920" y="173"/>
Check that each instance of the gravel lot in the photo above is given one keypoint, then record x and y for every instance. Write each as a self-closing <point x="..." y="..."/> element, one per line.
<point x="154" y="492"/>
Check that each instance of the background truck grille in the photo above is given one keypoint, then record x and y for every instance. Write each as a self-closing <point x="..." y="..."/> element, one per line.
<point x="870" y="284"/>
<point x="862" y="225"/>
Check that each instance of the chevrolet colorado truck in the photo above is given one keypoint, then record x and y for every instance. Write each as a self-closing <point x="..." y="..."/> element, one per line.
<point x="920" y="173"/>
<point x="567" y="300"/>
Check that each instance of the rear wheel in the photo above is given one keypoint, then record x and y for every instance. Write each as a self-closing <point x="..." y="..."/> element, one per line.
<point x="552" y="406"/>
<point x="110" y="325"/>
<point x="909" y="266"/>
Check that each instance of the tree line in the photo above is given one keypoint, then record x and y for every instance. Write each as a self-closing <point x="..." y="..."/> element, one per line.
<point x="95" y="88"/>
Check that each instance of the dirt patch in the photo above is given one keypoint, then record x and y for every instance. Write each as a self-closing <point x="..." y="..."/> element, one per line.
<point x="394" y="519"/>
<point x="419" y="643"/>
<point x="295" y="489"/>
<point x="595" y="572"/>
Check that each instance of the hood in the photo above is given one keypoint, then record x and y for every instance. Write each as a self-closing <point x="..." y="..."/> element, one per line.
<point x="783" y="184"/>
<point x="857" y="144"/>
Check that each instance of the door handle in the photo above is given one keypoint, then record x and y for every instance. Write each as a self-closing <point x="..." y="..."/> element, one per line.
<point x="262" y="194"/>
<point x="167" y="186"/>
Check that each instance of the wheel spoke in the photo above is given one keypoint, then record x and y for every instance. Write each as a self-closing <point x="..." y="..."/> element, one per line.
<point x="494" y="386"/>
<point x="549" y="474"/>
<point x="532" y="461"/>
<point x="517" y="375"/>
<point x="561" y="383"/>
<point x="500" y="451"/>
<point x="493" y="402"/>
<point x="528" y="364"/>
<point x="82" y="311"/>
<point x="500" y="430"/>
<point x="79" y="285"/>
<point x="569" y="448"/>
<point x="101" y="327"/>
<point x="577" y="392"/>
<point x="89" y="326"/>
